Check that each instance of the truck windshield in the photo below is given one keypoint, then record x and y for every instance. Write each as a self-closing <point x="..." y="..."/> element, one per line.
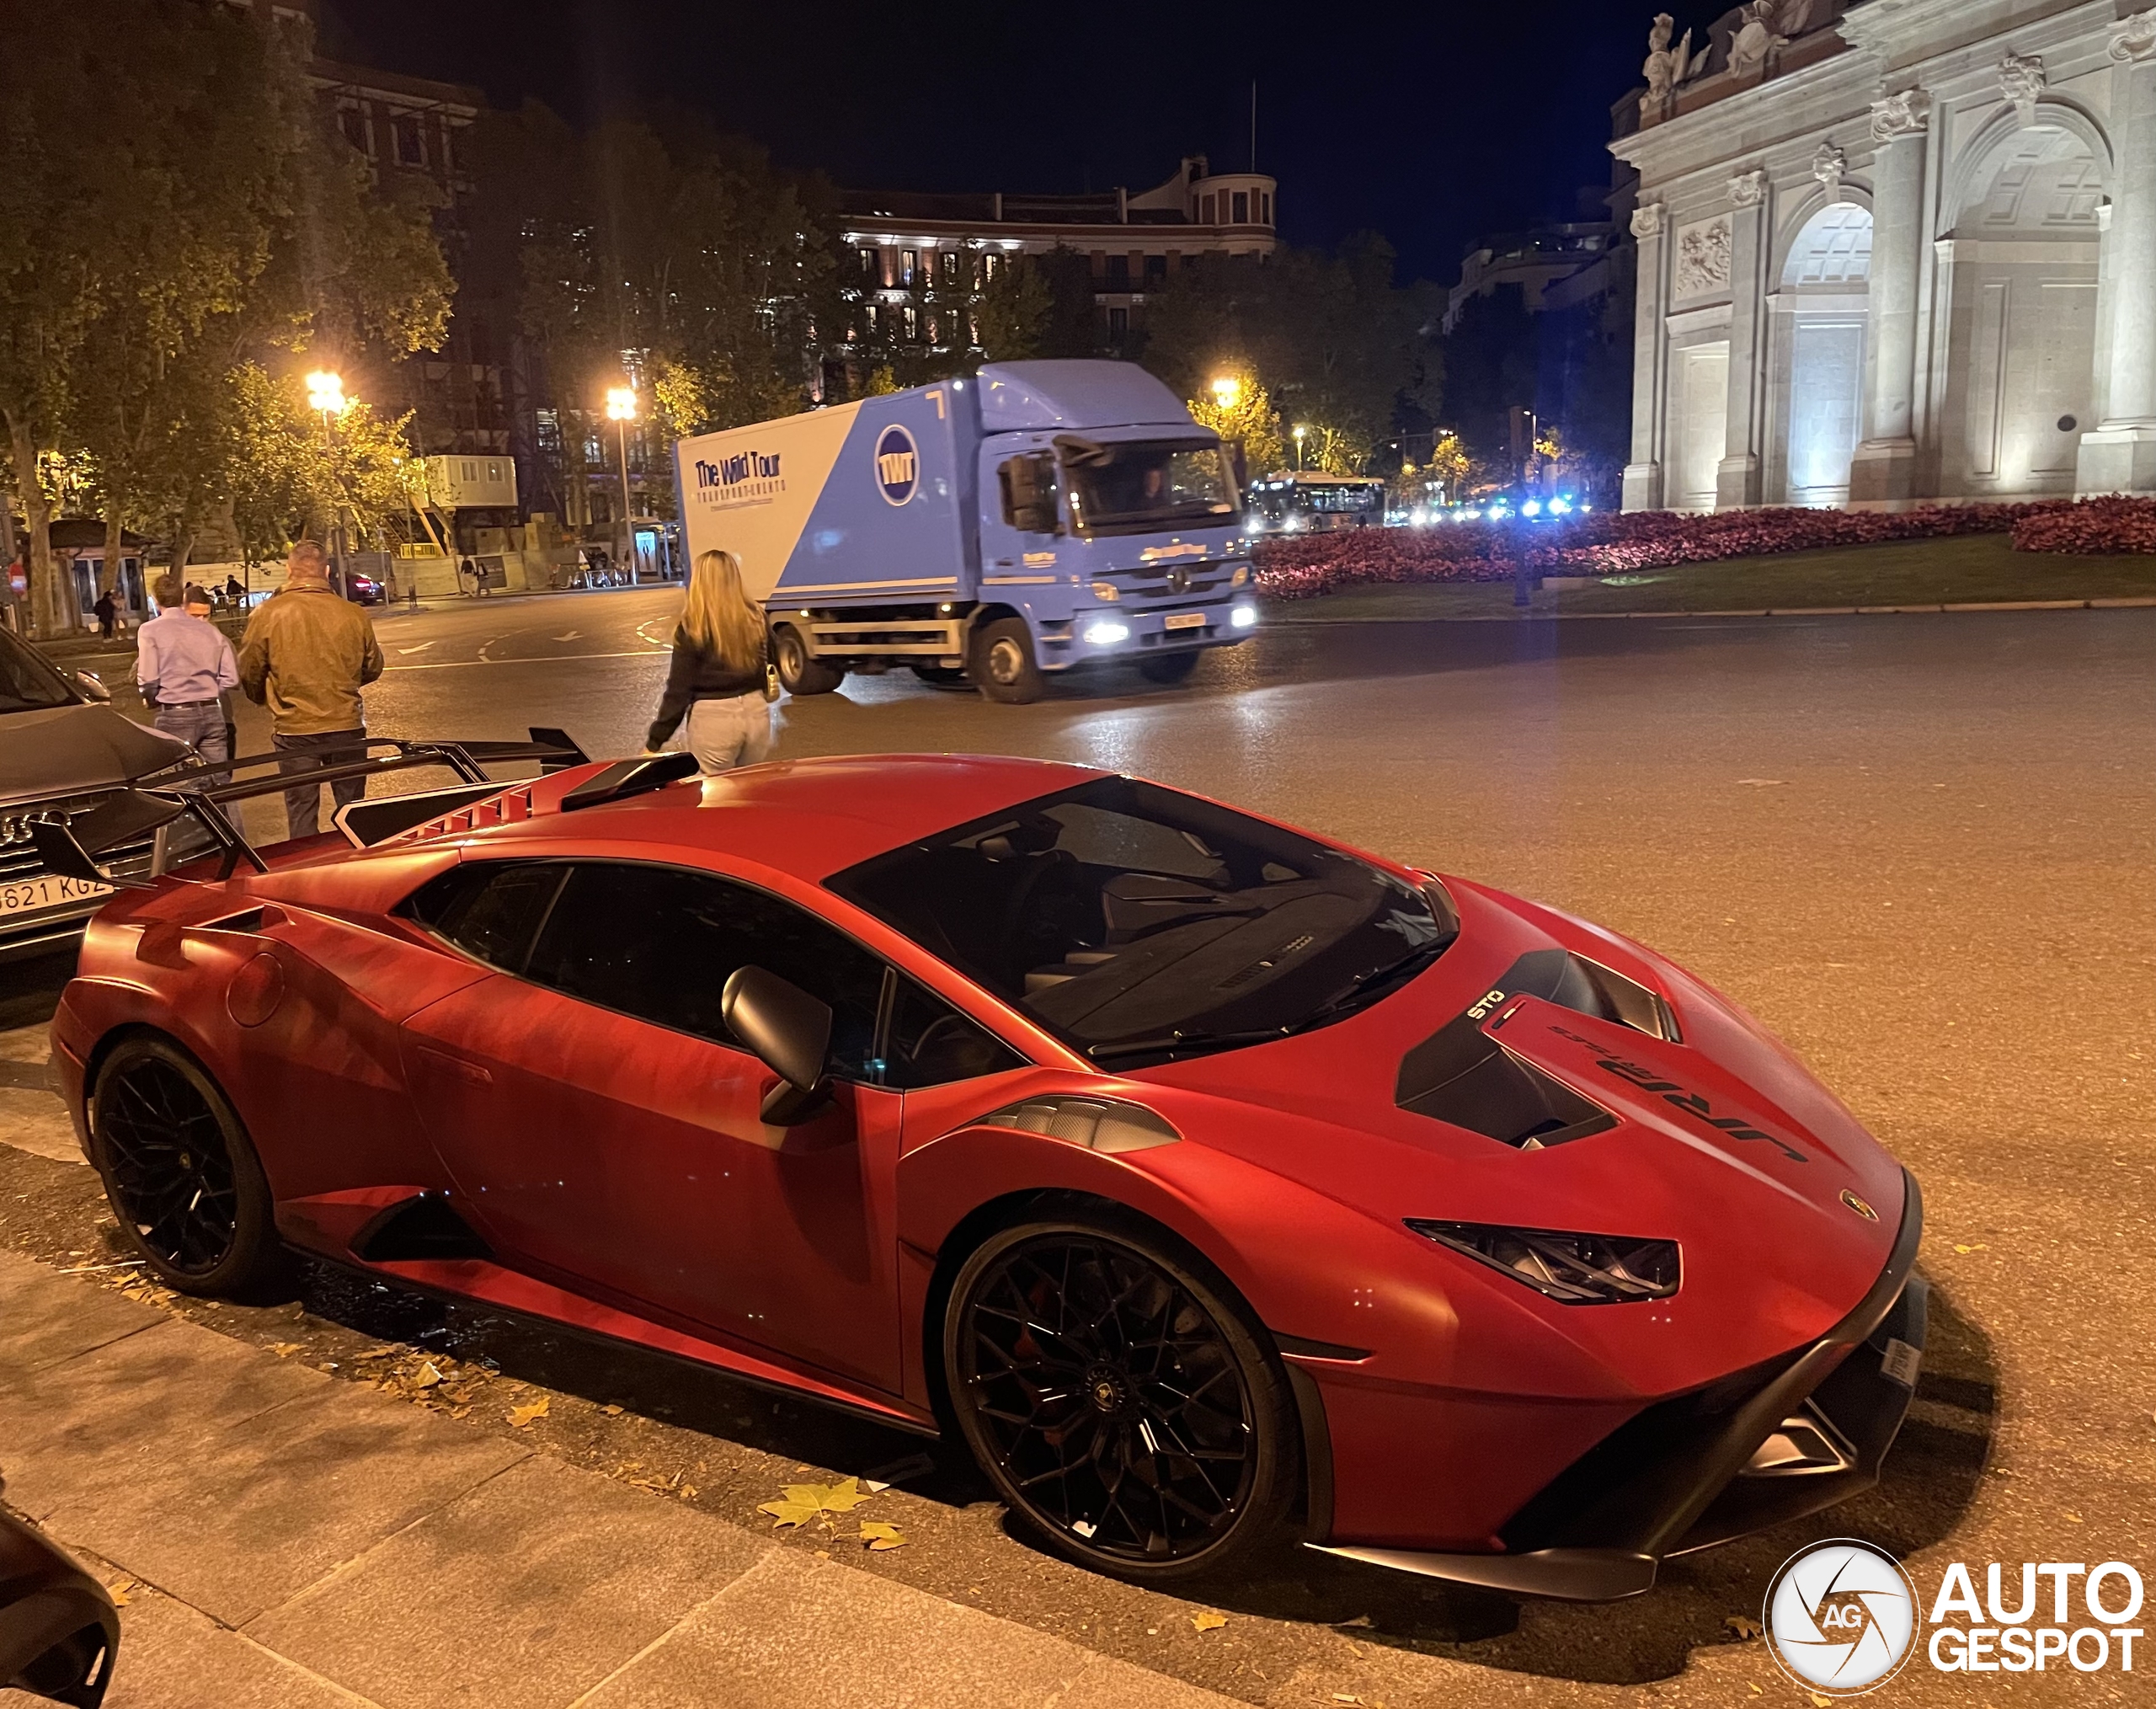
<point x="1137" y="485"/>
<point x="1140" y="925"/>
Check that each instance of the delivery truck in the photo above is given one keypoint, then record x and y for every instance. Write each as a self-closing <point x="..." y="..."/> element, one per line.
<point x="1033" y="518"/>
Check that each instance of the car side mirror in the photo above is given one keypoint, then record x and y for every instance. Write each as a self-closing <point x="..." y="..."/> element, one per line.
<point x="90" y="685"/>
<point x="790" y="1033"/>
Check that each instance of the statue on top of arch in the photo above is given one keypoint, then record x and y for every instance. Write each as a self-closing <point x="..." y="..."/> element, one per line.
<point x="1666" y="66"/>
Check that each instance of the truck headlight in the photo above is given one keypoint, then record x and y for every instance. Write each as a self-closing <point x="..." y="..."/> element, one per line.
<point x="1243" y="616"/>
<point x="1106" y="590"/>
<point x="1105" y="634"/>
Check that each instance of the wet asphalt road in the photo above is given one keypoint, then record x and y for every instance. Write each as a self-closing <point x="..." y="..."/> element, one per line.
<point x="1921" y="849"/>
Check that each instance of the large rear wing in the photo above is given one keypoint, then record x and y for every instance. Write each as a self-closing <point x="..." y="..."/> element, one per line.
<point x="202" y="791"/>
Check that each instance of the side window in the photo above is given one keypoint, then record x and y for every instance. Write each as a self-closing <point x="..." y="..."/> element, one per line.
<point x="659" y="943"/>
<point x="1029" y="493"/>
<point x="931" y="1043"/>
<point x="489" y="910"/>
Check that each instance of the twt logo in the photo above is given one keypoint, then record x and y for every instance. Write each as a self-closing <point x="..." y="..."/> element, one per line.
<point x="1841" y="1617"/>
<point x="898" y="465"/>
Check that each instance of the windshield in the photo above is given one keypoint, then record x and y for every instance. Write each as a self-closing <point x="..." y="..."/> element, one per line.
<point x="1140" y="484"/>
<point x="27" y="682"/>
<point x="1140" y="925"/>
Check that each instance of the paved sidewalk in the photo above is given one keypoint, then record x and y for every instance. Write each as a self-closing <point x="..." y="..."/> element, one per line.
<point x="287" y="1540"/>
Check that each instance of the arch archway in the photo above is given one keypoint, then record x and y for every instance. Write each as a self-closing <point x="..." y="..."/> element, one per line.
<point x="2019" y="279"/>
<point x="1818" y="353"/>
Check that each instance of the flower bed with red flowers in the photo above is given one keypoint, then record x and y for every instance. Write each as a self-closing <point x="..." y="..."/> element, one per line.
<point x="1609" y="543"/>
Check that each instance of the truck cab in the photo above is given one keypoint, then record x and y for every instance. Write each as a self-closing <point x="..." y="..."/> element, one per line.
<point x="1037" y="517"/>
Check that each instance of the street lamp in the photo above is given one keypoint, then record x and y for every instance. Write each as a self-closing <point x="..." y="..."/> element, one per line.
<point x="1226" y="390"/>
<point x="1300" y="430"/>
<point x="621" y="410"/>
<point x="325" y="396"/>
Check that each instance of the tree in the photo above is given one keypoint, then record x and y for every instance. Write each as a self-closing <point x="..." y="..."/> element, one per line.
<point x="293" y="477"/>
<point x="1340" y="350"/>
<point x="1241" y="413"/>
<point x="1015" y="307"/>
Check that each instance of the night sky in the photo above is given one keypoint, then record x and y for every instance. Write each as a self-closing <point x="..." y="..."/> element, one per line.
<point x="1430" y="124"/>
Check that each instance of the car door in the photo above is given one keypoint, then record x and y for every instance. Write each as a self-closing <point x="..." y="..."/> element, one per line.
<point x="604" y="1125"/>
<point x="1019" y="526"/>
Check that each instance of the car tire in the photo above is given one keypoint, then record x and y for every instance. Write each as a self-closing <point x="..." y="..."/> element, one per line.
<point x="1001" y="663"/>
<point x="1101" y="1406"/>
<point x="180" y="1173"/>
<point x="1168" y="667"/>
<point x="798" y="673"/>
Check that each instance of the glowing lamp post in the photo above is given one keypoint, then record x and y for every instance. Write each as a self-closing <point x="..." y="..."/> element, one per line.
<point x="325" y="396"/>
<point x="621" y="410"/>
<point x="1301" y="432"/>
<point x="1226" y="390"/>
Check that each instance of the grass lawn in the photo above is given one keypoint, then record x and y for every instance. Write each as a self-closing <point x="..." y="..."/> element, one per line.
<point x="1974" y="569"/>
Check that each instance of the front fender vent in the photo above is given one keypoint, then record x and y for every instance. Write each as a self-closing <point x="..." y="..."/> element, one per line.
<point x="1098" y="1124"/>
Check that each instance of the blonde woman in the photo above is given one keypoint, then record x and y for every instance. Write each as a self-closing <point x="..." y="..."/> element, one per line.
<point x="722" y="655"/>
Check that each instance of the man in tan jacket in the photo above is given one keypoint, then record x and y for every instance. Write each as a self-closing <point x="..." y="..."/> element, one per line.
<point x="306" y="653"/>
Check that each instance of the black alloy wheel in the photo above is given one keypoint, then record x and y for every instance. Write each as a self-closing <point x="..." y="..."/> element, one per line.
<point x="179" y="1172"/>
<point x="1001" y="663"/>
<point x="1118" y="1403"/>
<point x="798" y="671"/>
<point x="1168" y="667"/>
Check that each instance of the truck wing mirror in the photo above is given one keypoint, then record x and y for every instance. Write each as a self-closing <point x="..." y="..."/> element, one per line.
<point x="790" y="1033"/>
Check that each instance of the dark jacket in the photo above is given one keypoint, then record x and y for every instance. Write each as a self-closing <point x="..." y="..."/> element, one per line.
<point x="697" y="675"/>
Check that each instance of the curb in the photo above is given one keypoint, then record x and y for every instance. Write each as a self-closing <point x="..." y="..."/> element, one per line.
<point x="2136" y="602"/>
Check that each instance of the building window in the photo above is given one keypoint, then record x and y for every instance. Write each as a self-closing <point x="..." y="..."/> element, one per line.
<point x="1206" y="206"/>
<point x="973" y="330"/>
<point x="909" y="265"/>
<point x="989" y="265"/>
<point x="872" y="269"/>
<point x="872" y="318"/>
<point x="353" y="122"/>
<point x="1157" y="269"/>
<point x="1118" y="326"/>
<point x="912" y="323"/>
<point x="550" y="432"/>
<point x="411" y="147"/>
<point x="1119" y="272"/>
<point x="1265" y="207"/>
<point x="1242" y="207"/>
<point x="947" y="263"/>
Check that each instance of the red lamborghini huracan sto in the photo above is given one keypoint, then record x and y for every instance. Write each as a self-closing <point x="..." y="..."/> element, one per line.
<point x="1199" y="1171"/>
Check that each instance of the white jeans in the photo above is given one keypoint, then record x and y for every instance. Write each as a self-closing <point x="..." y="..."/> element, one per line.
<point x="723" y="733"/>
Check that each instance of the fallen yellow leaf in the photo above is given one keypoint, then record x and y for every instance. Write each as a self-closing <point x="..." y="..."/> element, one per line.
<point x="879" y="1536"/>
<point x="2073" y="1518"/>
<point x="1820" y="1702"/>
<point x="520" y="1416"/>
<point x="800" y="1503"/>
<point x="1742" y="1625"/>
<point x="1207" y="1619"/>
<point x="611" y="1411"/>
<point x="118" y="1590"/>
<point x="426" y="1376"/>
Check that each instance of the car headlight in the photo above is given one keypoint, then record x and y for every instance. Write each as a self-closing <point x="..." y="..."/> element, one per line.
<point x="1243" y="616"/>
<point x="1533" y="507"/>
<point x="1106" y="590"/>
<point x="1574" y="1269"/>
<point x="1105" y="634"/>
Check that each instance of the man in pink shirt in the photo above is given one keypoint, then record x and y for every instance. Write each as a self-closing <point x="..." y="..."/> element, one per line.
<point x="183" y="666"/>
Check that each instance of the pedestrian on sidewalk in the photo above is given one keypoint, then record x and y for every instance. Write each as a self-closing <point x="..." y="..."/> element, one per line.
<point x="184" y="666"/>
<point x="306" y="655"/>
<point x="235" y="595"/>
<point x="107" y="613"/>
<point x="722" y="677"/>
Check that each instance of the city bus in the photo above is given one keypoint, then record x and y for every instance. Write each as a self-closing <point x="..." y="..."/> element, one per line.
<point x="1305" y="502"/>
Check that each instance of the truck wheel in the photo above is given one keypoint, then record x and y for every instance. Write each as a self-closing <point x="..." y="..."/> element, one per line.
<point x="1168" y="667"/>
<point x="797" y="672"/>
<point x="942" y="676"/>
<point x="1001" y="663"/>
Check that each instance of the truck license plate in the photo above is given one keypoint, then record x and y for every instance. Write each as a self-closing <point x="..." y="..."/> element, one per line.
<point x="35" y="896"/>
<point x="1183" y="620"/>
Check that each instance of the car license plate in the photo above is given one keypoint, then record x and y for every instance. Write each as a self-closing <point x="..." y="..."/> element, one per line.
<point x="35" y="895"/>
<point x="1183" y="620"/>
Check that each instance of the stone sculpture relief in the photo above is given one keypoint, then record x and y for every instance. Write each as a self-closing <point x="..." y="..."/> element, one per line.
<point x="1703" y="257"/>
<point x="2134" y="37"/>
<point x="2020" y="82"/>
<point x="1905" y="114"/>
<point x="1828" y="166"/>
<point x="1666" y="66"/>
<point x="1747" y="189"/>
<point x="1646" y="220"/>
<point x="1756" y="36"/>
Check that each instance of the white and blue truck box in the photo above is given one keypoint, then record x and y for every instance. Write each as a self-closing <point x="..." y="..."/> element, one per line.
<point x="1035" y="517"/>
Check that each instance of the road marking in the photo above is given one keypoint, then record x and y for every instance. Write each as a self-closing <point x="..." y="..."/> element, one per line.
<point x="572" y="635"/>
<point x="421" y="647"/>
<point x="551" y="659"/>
